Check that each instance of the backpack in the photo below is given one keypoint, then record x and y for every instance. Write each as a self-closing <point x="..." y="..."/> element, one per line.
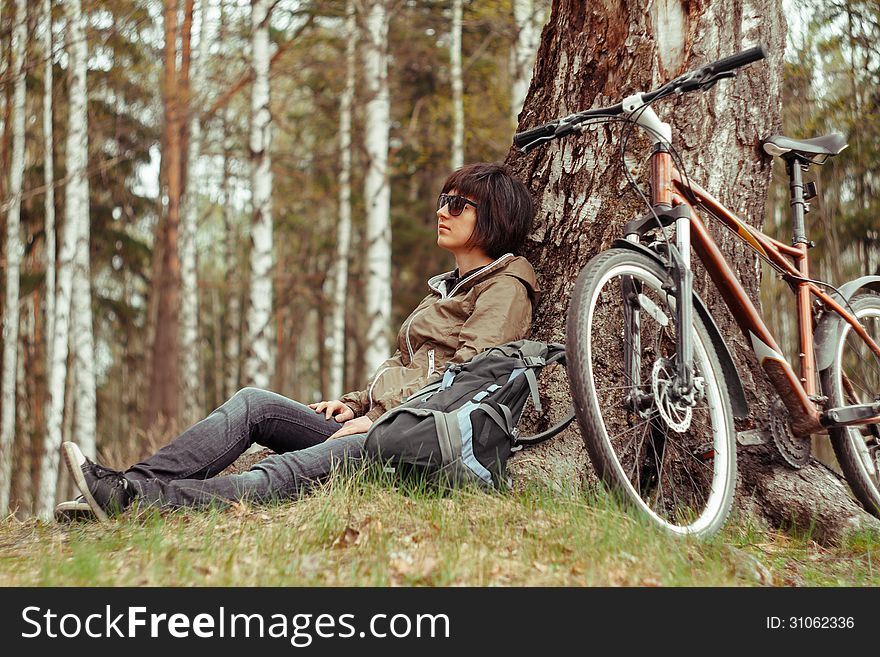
<point x="462" y="429"/>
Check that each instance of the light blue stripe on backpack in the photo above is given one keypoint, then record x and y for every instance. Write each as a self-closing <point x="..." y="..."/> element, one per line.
<point x="447" y="379"/>
<point x="467" y="444"/>
<point x="480" y="396"/>
<point x="516" y="373"/>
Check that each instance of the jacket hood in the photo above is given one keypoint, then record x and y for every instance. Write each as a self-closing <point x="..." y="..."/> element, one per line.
<point x="506" y="265"/>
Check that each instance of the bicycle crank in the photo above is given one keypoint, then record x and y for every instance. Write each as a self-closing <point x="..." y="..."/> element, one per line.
<point x="794" y="450"/>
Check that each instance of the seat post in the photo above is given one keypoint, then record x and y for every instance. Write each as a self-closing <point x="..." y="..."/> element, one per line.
<point x="798" y="206"/>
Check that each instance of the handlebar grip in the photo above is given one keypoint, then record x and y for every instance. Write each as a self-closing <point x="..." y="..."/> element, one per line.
<point x="739" y="59"/>
<point x="520" y="139"/>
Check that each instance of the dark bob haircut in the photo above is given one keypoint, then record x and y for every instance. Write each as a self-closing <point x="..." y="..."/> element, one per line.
<point x="506" y="209"/>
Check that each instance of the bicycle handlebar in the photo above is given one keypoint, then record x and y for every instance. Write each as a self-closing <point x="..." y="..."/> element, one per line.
<point x="738" y="60"/>
<point x="697" y="79"/>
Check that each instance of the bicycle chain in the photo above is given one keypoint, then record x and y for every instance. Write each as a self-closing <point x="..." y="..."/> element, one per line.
<point x="794" y="450"/>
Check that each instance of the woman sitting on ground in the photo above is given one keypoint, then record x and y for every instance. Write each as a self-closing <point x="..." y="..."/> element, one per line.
<point x="483" y="217"/>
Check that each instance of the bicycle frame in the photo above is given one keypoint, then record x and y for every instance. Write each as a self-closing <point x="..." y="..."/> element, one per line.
<point x="798" y="392"/>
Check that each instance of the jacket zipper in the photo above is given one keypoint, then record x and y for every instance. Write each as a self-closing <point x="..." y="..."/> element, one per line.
<point x="477" y="273"/>
<point x="446" y="296"/>
<point x="370" y="391"/>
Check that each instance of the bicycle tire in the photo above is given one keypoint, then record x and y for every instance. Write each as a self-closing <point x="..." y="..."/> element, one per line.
<point x="860" y="464"/>
<point x="698" y="464"/>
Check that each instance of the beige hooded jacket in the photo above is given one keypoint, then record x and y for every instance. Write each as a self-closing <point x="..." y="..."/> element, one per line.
<point x="490" y="306"/>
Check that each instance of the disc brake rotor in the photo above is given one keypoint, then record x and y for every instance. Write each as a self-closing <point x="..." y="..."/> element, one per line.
<point x="676" y="412"/>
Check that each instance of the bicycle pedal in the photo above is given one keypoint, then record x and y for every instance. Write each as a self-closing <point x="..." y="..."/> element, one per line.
<point x="847" y="415"/>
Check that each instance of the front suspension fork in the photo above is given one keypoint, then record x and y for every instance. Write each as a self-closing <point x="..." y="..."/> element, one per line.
<point x="681" y="289"/>
<point x="684" y="306"/>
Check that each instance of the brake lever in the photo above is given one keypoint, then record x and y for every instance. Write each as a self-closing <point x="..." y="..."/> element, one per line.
<point x="566" y="127"/>
<point x="562" y="130"/>
<point x="702" y="80"/>
<point x="534" y="144"/>
<point x="717" y="76"/>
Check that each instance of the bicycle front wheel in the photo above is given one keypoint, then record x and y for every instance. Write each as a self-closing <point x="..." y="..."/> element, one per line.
<point x="854" y="378"/>
<point x="672" y="456"/>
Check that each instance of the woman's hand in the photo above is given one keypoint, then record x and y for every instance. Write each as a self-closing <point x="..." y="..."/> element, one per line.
<point x="358" y="425"/>
<point x="338" y="410"/>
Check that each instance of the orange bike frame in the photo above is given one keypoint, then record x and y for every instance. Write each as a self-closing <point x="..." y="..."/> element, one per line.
<point x="798" y="392"/>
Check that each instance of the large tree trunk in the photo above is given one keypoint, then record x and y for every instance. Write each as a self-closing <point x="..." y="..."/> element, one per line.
<point x="596" y="57"/>
<point x="14" y="251"/>
<point x="377" y="192"/>
<point x="259" y="359"/>
<point x="343" y="229"/>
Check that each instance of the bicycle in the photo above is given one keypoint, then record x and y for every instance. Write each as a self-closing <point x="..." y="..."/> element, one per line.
<point x="656" y="404"/>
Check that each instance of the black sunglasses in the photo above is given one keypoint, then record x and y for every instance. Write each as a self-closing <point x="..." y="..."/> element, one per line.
<point x="456" y="203"/>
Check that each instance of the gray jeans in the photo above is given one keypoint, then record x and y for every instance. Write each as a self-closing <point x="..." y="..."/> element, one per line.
<point x="183" y="473"/>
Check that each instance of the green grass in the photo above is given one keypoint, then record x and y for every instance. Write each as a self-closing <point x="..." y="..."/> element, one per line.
<point x="358" y="531"/>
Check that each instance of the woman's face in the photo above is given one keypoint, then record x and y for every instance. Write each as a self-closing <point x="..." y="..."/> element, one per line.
<point x="453" y="232"/>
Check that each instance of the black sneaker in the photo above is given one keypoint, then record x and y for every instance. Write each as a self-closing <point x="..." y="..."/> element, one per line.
<point x="73" y="510"/>
<point x="106" y="491"/>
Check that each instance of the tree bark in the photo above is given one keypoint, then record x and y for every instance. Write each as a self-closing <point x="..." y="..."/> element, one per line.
<point x="14" y="252"/>
<point x="377" y="192"/>
<point x="258" y="365"/>
<point x="595" y="58"/>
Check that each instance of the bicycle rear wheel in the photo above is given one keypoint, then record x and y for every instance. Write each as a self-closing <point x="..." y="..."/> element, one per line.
<point x="674" y="459"/>
<point x="854" y="378"/>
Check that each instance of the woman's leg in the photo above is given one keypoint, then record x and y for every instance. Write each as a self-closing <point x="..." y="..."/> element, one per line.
<point x="281" y="476"/>
<point x="250" y="416"/>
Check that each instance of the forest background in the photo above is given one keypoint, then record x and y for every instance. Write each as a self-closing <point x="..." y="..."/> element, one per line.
<point x="199" y="195"/>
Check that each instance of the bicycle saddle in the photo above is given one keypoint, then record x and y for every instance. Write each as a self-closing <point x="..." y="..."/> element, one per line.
<point x="815" y="150"/>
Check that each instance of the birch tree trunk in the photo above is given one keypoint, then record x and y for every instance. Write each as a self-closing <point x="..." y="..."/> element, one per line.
<point x="232" y="357"/>
<point x="343" y="230"/>
<point x="377" y="192"/>
<point x="233" y="312"/>
<point x="259" y="360"/>
<point x="597" y="57"/>
<point x="14" y="252"/>
<point x="66" y="266"/>
<point x="457" y="87"/>
<point x="77" y="211"/>
<point x="49" y="179"/>
<point x="26" y="383"/>
<point x="189" y="297"/>
<point x="528" y="25"/>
